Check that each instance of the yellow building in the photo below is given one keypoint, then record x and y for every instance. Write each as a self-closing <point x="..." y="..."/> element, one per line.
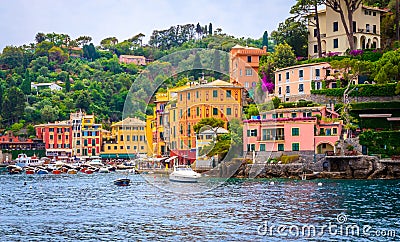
<point x="127" y="139"/>
<point x="366" y="30"/>
<point x="217" y="99"/>
<point x="157" y="128"/>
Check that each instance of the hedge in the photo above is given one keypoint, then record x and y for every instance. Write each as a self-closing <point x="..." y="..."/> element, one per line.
<point x="364" y="90"/>
<point x="376" y="105"/>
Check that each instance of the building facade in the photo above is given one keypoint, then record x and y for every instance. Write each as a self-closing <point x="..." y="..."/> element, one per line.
<point x="127" y="140"/>
<point x="137" y="60"/>
<point x="366" y="30"/>
<point x="307" y="130"/>
<point x="57" y="138"/>
<point x="243" y="66"/>
<point x="295" y="82"/>
<point x="217" y="99"/>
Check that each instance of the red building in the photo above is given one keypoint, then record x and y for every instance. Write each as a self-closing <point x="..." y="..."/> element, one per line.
<point x="57" y="138"/>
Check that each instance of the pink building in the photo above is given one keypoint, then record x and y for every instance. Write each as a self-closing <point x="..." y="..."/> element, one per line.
<point x="308" y="130"/>
<point x="295" y="82"/>
<point x="137" y="60"/>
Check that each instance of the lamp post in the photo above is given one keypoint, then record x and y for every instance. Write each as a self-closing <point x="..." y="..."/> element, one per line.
<point x="356" y="94"/>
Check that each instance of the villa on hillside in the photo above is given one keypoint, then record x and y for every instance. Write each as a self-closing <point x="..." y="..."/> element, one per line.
<point x="137" y="60"/>
<point x="52" y="86"/>
<point x="243" y="66"/>
<point x="305" y="130"/>
<point x="366" y="30"/>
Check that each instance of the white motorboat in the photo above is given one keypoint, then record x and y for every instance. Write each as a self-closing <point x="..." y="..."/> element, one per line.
<point x="23" y="160"/>
<point x="183" y="173"/>
<point x="104" y="170"/>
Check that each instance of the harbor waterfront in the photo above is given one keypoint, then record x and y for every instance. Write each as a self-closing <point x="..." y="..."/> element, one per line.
<point x="89" y="207"/>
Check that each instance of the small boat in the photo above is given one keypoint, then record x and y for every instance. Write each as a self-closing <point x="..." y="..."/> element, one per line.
<point x="23" y="160"/>
<point x="12" y="169"/>
<point x="72" y="171"/>
<point x="122" y="182"/>
<point x="89" y="171"/>
<point x="30" y="172"/>
<point x="56" y="171"/>
<point x="184" y="174"/>
<point x="104" y="170"/>
<point x="42" y="172"/>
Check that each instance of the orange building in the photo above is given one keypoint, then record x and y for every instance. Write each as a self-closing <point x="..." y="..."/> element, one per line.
<point x="217" y="99"/>
<point x="244" y="64"/>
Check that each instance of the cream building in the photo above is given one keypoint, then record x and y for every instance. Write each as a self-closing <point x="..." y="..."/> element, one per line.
<point x="366" y="30"/>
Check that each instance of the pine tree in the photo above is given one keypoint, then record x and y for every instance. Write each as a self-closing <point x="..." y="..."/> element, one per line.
<point x="26" y="84"/>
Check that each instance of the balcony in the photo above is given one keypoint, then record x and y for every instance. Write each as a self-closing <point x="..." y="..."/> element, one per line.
<point x="272" y="138"/>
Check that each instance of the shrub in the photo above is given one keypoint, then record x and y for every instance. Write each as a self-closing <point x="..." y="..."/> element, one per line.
<point x="286" y="159"/>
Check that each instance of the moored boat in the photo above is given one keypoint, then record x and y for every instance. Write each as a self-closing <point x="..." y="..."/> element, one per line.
<point x="104" y="170"/>
<point x="122" y="182"/>
<point x="42" y="172"/>
<point x="184" y="174"/>
<point x="72" y="171"/>
<point x="29" y="171"/>
<point x="56" y="171"/>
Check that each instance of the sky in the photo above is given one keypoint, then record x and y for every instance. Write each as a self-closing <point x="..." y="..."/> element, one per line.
<point x="21" y="20"/>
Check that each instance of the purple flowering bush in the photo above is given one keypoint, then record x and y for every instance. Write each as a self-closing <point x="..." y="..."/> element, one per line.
<point x="356" y="52"/>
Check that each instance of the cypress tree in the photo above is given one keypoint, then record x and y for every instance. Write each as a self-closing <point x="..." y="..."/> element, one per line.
<point x="265" y="39"/>
<point x="210" y="29"/>
<point x="26" y="84"/>
<point x="67" y="84"/>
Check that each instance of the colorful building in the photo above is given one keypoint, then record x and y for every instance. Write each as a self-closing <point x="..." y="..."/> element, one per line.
<point x="127" y="140"/>
<point x="295" y="82"/>
<point x="366" y="30"/>
<point x="306" y="130"/>
<point x="57" y="138"/>
<point x="243" y="66"/>
<point x="217" y="99"/>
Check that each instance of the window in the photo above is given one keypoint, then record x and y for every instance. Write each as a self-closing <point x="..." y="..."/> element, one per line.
<point x="197" y="94"/>
<point x="274" y="115"/>
<point x="334" y="85"/>
<point x="374" y="29"/>
<point x="246" y="84"/>
<point x="301" y="87"/>
<point x="228" y="93"/>
<point x="280" y="77"/>
<point x="115" y="147"/>
<point x="335" y="43"/>
<point x="318" y="85"/>
<point x="315" y="32"/>
<point x="249" y="58"/>
<point x="251" y="132"/>
<point x="295" y="132"/>
<point x="280" y="90"/>
<point x="180" y="96"/>
<point x="215" y="111"/>
<point x="373" y="13"/>
<point x="294" y="115"/>
<point x="262" y="147"/>
<point x="128" y="138"/>
<point x="215" y="93"/>
<point x="197" y="111"/>
<point x="121" y="147"/>
<point x="188" y="96"/>
<point x="128" y="147"/>
<point x="315" y="48"/>
<point x="251" y="147"/>
<point x="301" y="73"/>
<point x="287" y="76"/>
<point x="249" y="72"/>
<point x="121" y="138"/>
<point x="295" y="146"/>
<point x="281" y="147"/>
<point x="367" y="28"/>
<point x="287" y="89"/>
<point x="334" y="131"/>
<point x="228" y="111"/>
<point x="51" y="136"/>
<point x="108" y="147"/>
<point x="317" y="72"/>
<point x="188" y="112"/>
<point x="335" y="26"/>
<point x="354" y="27"/>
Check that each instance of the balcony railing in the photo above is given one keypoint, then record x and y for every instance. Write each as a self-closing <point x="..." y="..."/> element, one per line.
<point x="272" y="138"/>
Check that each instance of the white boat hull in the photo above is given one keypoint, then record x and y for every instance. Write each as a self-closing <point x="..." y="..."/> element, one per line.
<point x="177" y="178"/>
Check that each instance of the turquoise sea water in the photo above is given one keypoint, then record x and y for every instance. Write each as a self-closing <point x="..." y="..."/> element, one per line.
<point x="91" y="208"/>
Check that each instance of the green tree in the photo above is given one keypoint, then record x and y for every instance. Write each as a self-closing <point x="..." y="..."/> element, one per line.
<point x="387" y="68"/>
<point x="42" y="49"/>
<point x="210" y="29"/>
<point x="12" y="57"/>
<point x="40" y="37"/>
<point x="283" y="56"/>
<point x="212" y="122"/>
<point x="303" y="9"/>
<point x="251" y="110"/>
<point x="26" y="84"/>
<point x="265" y="39"/>
<point x="49" y="113"/>
<point x="57" y="55"/>
<point x="83" y="101"/>
<point x="14" y="103"/>
<point x="67" y="84"/>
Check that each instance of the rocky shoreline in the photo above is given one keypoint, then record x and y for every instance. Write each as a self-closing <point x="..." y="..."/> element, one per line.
<point x="333" y="167"/>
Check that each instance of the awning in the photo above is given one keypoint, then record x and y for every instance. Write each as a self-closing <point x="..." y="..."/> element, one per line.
<point x="126" y="156"/>
<point x="108" y="156"/>
<point x="377" y="115"/>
